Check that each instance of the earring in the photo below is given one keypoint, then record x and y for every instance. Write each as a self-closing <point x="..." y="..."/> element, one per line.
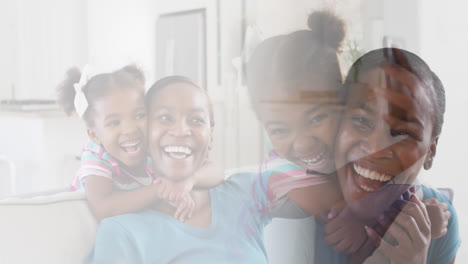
<point x="428" y="163"/>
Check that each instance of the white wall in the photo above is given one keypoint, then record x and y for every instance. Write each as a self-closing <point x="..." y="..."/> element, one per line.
<point x="443" y="46"/>
<point x="41" y="39"/>
<point x="121" y="32"/>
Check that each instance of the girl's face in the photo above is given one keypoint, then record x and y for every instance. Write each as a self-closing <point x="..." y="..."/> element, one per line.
<point x="302" y="128"/>
<point x="120" y="125"/>
<point x="180" y="131"/>
<point x="386" y="133"/>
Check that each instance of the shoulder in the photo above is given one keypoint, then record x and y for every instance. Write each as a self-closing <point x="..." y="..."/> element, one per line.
<point x="126" y="223"/>
<point x="239" y="182"/>
<point x="92" y="149"/>
<point x="94" y="157"/>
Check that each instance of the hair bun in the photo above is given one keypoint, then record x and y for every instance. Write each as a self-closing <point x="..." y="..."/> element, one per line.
<point x="66" y="90"/>
<point x="327" y="27"/>
<point x="135" y="72"/>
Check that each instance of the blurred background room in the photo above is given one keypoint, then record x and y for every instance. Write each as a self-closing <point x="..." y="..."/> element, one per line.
<point x="208" y="41"/>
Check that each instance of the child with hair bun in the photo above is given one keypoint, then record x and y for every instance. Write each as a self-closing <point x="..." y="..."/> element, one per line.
<point x="296" y="88"/>
<point x="116" y="171"/>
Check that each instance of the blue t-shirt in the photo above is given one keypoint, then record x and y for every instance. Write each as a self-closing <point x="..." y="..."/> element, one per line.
<point x="239" y="215"/>
<point x="441" y="250"/>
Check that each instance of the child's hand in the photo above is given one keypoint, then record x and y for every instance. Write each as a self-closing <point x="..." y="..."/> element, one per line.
<point x="344" y="232"/>
<point x="439" y="215"/>
<point x="172" y="191"/>
<point x="184" y="207"/>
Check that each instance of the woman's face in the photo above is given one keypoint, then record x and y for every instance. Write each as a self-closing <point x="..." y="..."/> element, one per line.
<point x="385" y="134"/>
<point x="302" y="128"/>
<point x="180" y="133"/>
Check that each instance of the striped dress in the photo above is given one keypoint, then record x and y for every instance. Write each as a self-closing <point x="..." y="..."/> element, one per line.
<point x="96" y="161"/>
<point x="284" y="176"/>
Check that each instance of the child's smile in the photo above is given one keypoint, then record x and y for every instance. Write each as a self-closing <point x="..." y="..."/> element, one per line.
<point x="302" y="130"/>
<point x="121" y="126"/>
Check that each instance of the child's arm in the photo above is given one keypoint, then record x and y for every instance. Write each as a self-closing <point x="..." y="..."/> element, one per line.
<point x="104" y="201"/>
<point x="206" y="177"/>
<point x="209" y="175"/>
<point x="317" y="199"/>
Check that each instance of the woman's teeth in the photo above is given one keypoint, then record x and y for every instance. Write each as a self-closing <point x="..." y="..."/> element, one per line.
<point x="373" y="175"/>
<point x="367" y="189"/>
<point x="178" y="152"/>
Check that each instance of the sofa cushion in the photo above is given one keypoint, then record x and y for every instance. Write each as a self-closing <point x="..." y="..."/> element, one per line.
<point x="50" y="229"/>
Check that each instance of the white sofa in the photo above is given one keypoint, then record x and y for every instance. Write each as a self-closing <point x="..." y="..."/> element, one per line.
<point x="58" y="228"/>
<point x="46" y="228"/>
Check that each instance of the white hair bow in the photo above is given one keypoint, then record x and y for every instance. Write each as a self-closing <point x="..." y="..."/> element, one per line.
<point x="81" y="103"/>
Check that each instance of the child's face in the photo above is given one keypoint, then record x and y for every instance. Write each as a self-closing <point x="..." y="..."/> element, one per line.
<point x="120" y="125"/>
<point x="386" y="131"/>
<point x="302" y="130"/>
<point x="180" y="133"/>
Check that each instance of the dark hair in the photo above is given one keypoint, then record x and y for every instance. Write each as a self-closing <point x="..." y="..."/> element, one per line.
<point x="301" y="57"/>
<point x="166" y="81"/>
<point x="409" y="61"/>
<point x="98" y="86"/>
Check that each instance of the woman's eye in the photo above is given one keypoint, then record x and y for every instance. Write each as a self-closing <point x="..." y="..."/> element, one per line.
<point x="318" y="118"/>
<point x="397" y="133"/>
<point x="197" y="120"/>
<point x="361" y="122"/>
<point x="164" y="118"/>
<point x="140" y="116"/>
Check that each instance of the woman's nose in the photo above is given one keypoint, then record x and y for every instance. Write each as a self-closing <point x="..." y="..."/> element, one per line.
<point x="379" y="142"/>
<point x="180" y="129"/>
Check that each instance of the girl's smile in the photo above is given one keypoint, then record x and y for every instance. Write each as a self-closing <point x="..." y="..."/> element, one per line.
<point x="302" y="132"/>
<point x="121" y="125"/>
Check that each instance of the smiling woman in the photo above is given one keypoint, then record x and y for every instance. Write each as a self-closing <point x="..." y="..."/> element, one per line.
<point x="389" y="131"/>
<point x="228" y="220"/>
<point x="180" y="126"/>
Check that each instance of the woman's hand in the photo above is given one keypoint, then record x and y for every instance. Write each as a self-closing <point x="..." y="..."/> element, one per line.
<point x="408" y="237"/>
<point x="439" y="214"/>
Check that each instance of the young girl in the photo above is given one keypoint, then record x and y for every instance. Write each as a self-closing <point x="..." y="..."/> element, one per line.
<point x="295" y="82"/>
<point x="115" y="171"/>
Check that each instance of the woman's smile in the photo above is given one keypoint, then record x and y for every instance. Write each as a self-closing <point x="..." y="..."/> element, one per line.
<point x="180" y="131"/>
<point x="381" y="137"/>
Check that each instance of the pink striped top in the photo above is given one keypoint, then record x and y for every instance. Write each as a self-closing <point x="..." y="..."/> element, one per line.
<point x="96" y="161"/>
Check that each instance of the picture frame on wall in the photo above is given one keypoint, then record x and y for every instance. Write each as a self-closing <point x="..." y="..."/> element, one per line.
<point x="181" y="45"/>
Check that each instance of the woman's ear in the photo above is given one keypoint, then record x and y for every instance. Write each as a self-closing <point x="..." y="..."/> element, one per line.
<point x="431" y="154"/>
<point x="93" y="136"/>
